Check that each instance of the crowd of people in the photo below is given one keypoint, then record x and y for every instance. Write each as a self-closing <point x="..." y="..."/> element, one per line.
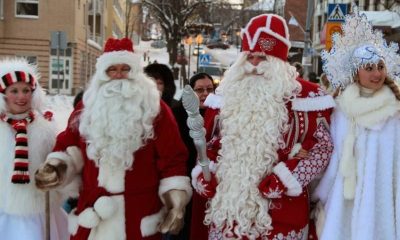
<point x="289" y="159"/>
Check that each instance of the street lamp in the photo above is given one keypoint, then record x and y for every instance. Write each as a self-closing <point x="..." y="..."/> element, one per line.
<point x="237" y="39"/>
<point x="199" y="40"/>
<point x="189" y="42"/>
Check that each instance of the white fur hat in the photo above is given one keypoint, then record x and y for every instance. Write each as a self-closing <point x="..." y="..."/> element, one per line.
<point x="14" y="70"/>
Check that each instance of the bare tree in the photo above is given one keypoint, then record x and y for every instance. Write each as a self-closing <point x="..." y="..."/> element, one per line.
<point x="172" y="16"/>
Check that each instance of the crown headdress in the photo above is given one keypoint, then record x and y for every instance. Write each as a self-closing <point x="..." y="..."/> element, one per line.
<point x="357" y="46"/>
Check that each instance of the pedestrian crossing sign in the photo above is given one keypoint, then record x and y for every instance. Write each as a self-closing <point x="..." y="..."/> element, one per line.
<point x="336" y="12"/>
<point x="204" y="59"/>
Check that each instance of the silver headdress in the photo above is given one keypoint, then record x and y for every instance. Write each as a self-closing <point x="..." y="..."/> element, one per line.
<point x="357" y="46"/>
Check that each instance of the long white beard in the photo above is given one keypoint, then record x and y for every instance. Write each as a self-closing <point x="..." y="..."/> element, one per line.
<point x="254" y="119"/>
<point x="118" y="119"/>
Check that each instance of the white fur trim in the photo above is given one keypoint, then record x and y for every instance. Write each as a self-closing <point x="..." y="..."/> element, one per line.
<point x="197" y="170"/>
<point x="177" y="183"/>
<point x="313" y="103"/>
<point x="88" y="218"/>
<point x="287" y="178"/>
<point x="149" y="224"/>
<point x="73" y="222"/>
<point x="105" y="207"/>
<point x="213" y="101"/>
<point x="295" y="149"/>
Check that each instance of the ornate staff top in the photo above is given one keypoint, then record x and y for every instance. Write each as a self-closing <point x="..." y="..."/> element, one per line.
<point x="195" y="123"/>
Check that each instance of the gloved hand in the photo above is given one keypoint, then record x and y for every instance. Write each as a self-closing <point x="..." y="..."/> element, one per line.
<point x="175" y="201"/>
<point x="204" y="188"/>
<point x="51" y="174"/>
<point x="272" y="187"/>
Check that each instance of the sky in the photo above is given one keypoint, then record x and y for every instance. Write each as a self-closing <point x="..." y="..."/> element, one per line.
<point x="61" y="105"/>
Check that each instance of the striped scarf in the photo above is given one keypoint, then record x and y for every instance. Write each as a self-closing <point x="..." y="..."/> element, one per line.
<point x="21" y="160"/>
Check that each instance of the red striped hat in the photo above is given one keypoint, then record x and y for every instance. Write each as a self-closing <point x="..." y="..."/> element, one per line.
<point x="267" y="34"/>
<point x="17" y="70"/>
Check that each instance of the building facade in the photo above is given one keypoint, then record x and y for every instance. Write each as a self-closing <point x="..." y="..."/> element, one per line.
<point x="62" y="37"/>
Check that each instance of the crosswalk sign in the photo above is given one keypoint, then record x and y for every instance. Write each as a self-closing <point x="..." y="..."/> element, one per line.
<point x="204" y="59"/>
<point x="336" y="12"/>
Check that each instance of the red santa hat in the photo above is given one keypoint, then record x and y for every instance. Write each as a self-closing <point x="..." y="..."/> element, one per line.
<point x="267" y="34"/>
<point x="17" y="70"/>
<point x="116" y="51"/>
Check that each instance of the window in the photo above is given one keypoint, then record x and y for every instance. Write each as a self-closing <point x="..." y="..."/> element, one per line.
<point x="31" y="59"/>
<point x="27" y="8"/>
<point x="1" y="10"/>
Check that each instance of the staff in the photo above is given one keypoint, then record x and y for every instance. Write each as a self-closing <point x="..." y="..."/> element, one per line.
<point x="195" y="123"/>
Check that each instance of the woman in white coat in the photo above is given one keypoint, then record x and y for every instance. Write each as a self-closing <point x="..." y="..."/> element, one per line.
<point x="360" y="190"/>
<point x="26" y="137"/>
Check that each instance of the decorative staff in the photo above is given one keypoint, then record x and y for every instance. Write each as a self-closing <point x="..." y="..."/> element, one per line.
<point x="195" y="123"/>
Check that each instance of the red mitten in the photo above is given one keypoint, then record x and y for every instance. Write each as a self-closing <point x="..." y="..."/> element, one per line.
<point x="204" y="188"/>
<point x="272" y="187"/>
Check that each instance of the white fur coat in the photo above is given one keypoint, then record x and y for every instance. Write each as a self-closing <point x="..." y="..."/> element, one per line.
<point x="375" y="209"/>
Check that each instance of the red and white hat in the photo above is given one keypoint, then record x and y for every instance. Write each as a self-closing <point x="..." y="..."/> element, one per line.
<point x="116" y="51"/>
<point x="268" y="34"/>
<point x="17" y="70"/>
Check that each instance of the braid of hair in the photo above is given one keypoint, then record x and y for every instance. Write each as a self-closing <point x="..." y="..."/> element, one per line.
<point x="393" y="86"/>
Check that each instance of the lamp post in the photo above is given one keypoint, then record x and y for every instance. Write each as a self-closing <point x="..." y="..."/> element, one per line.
<point x="189" y="42"/>
<point x="237" y="39"/>
<point x="199" y="40"/>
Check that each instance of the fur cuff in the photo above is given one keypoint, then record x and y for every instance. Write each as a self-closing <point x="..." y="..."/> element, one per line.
<point x="313" y="103"/>
<point x="177" y="183"/>
<point x="295" y="149"/>
<point x="213" y="101"/>
<point x="105" y="207"/>
<point x="149" y="224"/>
<point x="72" y="157"/>
<point x="197" y="170"/>
<point x="73" y="222"/>
<point x="88" y="218"/>
<point x="287" y="178"/>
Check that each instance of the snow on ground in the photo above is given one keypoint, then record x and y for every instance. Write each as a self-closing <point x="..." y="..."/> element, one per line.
<point x="61" y="105"/>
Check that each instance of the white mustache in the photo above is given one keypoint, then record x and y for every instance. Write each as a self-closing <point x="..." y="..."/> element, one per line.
<point x="120" y="87"/>
<point x="260" y="69"/>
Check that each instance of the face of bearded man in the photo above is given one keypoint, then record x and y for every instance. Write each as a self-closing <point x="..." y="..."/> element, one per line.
<point x="118" y="119"/>
<point x="253" y="120"/>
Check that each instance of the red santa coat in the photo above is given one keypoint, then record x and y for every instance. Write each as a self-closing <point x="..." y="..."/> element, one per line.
<point x="309" y="118"/>
<point x="135" y="195"/>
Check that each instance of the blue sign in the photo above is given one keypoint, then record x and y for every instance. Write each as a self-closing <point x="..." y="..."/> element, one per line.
<point x="337" y="12"/>
<point x="204" y="59"/>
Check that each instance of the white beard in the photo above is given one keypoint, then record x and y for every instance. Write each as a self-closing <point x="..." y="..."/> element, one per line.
<point x="117" y="119"/>
<point x="254" y="119"/>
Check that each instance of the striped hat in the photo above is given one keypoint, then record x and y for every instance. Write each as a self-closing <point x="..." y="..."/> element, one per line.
<point x="17" y="70"/>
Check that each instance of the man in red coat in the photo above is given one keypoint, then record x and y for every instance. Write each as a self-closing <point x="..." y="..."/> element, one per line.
<point x="122" y="143"/>
<point x="271" y="135"/>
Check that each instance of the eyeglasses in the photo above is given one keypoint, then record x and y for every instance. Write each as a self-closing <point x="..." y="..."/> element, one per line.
<point x="201" y="90"/>
<point x="112" y="71"/>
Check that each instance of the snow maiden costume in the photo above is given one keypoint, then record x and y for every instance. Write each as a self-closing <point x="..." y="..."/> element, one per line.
<point x="254" y="132"/>
<point x="360" y="191"/>
<point x="25" y="141"/>
<point x="130" y="157"/>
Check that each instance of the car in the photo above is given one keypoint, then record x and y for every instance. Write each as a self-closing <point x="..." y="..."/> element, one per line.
<point x="198" y="49"/>
<point x="216" y="71"/>
<point x="220" y="45"/>
<point x="158" y="44"/>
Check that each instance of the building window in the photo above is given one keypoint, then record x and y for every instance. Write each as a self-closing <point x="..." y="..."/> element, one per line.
<point x="1" y="9"/>
<point x="27" y="8"/>
<point x="31" y="59"/>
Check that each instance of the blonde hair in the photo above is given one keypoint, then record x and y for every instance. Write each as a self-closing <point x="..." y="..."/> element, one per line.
<point x="393" y="86"/>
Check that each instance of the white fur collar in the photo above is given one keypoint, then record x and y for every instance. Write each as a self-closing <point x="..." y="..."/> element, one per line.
<point x="368" y="111"/>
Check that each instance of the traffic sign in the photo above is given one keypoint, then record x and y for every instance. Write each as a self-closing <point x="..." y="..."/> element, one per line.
<point x="204" y="59"/>
<point x="336" y="12"/>
<point x="331" y="28"/>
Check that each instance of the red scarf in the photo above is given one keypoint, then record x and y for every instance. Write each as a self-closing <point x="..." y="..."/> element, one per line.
<point x="21" y="160"/>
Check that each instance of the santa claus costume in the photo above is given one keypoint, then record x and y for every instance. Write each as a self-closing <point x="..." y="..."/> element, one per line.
<point x="360" y="191"/>
<point x="25" y="140"/>
<point x="264" y="119"/>
<point x="130" y="153"/>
